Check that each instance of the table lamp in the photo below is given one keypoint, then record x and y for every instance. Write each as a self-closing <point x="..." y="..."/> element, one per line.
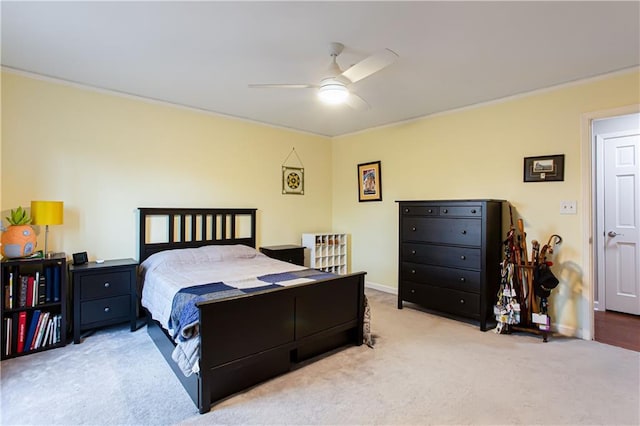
<point x="46" y="213"/>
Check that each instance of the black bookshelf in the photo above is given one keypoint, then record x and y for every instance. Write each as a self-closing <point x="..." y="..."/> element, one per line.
<point x="34" y="305"/>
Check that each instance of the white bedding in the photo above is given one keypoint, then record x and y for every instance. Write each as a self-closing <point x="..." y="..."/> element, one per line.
<point x="164" y="274"/>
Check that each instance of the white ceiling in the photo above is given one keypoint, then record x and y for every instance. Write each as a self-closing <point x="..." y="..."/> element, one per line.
<point x="204" y="54"/>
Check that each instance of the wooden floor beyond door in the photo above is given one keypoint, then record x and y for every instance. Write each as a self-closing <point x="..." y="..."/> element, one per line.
<point x="617" y="329"/>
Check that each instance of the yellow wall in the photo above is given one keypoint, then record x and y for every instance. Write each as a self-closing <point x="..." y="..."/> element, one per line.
<point x="105" y="155"/>
<point x="478" y="153"/>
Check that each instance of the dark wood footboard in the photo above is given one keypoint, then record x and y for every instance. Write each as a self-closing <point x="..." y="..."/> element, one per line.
<point x="249" y="339"/>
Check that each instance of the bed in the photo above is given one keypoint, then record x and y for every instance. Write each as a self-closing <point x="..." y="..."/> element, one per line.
<point x="249" y="338"/>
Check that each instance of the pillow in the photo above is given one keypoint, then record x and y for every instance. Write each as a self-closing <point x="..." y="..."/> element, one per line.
<point x="204" y="254"/>
<point x="238" y="251"/>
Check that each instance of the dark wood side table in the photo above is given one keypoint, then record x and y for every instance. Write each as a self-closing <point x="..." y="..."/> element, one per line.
<point x="287" y="253"/>
<point x="103" y="294"/>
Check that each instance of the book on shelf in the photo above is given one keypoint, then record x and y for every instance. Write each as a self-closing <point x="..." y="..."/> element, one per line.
<point x="40" y="329"/>
<point x="33" y="325"/>
<point x="8" y="292"/>
<point x="30" y="282"/>
<point x="47" y="334"/>
<point x="48" y="272"/>
<point x="42" y="288"/>
<point x="56" y="285"/>
<point x="22" y="299"/>
<point x="8" y="341"/>
<point x="22" y="328"/>
<point x="58" y="326"/>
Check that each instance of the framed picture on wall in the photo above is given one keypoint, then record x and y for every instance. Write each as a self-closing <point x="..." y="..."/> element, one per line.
<point x="547" y="168"/>
<point x="369" y="182"/>
<point x="292" y="180"/>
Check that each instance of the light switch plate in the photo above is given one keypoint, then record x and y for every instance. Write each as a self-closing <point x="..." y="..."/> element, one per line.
<point x="568" y="207"/>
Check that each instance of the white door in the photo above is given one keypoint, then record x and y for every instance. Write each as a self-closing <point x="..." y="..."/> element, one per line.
<point x="622" y="221"/>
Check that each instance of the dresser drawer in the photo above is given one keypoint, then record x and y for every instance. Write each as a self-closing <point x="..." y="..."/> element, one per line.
<point x="442" y="299"/>
<point x="420" y="211"/>
<point x="461" y="211"/>
<point x="466" y="232"/>
<point x="456" y="257"/>
<point x="108" y="284"/>
<point x="105" y="310"/>
<point x="459" y="279"/>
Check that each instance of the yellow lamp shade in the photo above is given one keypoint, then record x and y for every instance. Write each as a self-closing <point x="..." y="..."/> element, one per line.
<point x="47" y="212"/>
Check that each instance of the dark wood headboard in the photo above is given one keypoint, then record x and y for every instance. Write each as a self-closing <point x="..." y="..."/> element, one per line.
<point x="194" y="227"/>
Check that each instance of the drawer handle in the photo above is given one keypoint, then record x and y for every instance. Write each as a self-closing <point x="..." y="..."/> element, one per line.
<point x="413" y="271"/>
<point x="413" y="252"/>
<point x="462" y="279"/>
<point x="463" y="257"/>
<point x="473" y="211"/>
<point x="407" y="210"/>
<point x="413" y="228"/>
<point x="430" y="211"/>
<point x="413" y="291"/>
<point x="462" y="301"/>
<point x="107" y="285"/>
<point x="107" y="309"/>
<point x="464" y="232"/>
<point x="445" y="211"/>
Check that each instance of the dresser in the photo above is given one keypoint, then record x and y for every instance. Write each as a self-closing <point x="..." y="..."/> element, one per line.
<point x="449" y="256"/>
<point x="103" y="294"/>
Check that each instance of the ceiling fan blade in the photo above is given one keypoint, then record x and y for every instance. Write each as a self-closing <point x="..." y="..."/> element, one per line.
<point x="282" y="86"/>
<point x="370" y="65"/>
<point x="356" y="102"/>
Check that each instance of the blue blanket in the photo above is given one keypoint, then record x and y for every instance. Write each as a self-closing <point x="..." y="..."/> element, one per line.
<point x="184" y="310"/>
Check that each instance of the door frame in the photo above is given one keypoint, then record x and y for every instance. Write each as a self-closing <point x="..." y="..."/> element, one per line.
<point x="589" y="213"/>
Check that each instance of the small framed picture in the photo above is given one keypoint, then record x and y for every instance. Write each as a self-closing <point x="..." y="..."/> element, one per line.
<point x="548" y="168"/>
<point x="369" y="182"/>
<point x="80" y="258"/>
<point x="292" y="180"/>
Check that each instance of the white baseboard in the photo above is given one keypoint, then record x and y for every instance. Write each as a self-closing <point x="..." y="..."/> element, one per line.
<point x="561" y="329"/>
<point x="568" y="331"/>
<point x="380" y="287"/>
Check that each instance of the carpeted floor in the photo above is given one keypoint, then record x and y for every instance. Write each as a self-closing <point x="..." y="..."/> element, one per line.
<point x="424" y="369"/>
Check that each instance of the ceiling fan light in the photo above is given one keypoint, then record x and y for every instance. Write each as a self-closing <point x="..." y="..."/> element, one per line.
<point x="333" y="93"/>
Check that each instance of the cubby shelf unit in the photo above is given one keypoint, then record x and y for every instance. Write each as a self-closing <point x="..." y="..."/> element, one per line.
<point x="326" y="252"/>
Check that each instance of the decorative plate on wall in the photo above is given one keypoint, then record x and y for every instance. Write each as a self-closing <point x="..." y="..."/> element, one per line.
<point x="292" y="180"/>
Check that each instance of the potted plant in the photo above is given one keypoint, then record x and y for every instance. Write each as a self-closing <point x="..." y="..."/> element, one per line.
<point x="19" y="239"/>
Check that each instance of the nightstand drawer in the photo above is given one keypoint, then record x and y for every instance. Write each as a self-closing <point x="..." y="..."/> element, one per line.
<point x="104" y="310"/>
<point x="95" y="286"/>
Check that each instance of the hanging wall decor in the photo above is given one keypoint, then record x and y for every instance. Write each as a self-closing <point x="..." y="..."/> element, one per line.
<point x="544" y="169"/>
<point x="369" y="182"/>
<point x="292" y="177"/>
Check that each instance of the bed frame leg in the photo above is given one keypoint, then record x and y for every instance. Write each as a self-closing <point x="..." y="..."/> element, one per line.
<point x="204" y="394"/>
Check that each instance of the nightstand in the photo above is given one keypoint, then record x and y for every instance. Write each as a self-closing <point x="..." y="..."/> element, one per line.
<point x="103" y="294"/>
<point x="287" y="253"/>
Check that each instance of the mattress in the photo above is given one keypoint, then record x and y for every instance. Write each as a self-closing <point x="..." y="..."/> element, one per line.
<point x="164" y="274"/>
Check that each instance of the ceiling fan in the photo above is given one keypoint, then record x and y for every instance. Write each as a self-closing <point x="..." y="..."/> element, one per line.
<point x="333" y="87"/>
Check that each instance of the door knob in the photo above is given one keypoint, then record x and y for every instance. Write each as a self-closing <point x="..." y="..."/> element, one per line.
<point x="613" y="234"/>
